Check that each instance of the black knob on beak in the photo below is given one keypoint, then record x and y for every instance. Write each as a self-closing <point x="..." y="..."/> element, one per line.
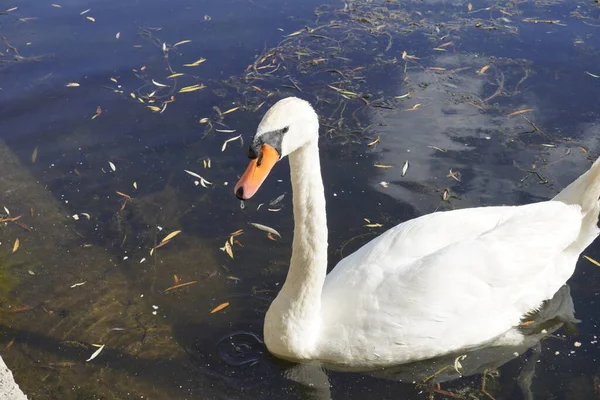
<point x="240" y="193"/>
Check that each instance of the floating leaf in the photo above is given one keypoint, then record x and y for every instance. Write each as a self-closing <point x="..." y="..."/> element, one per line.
<point x="483" y="69"/>
<point x="590" y="259"/>
<point x="195" y="63"/>
<point x="56" y="5"/>
<point x="374" y="142"/>
<point x="96" y="353"/>
<point x="118" y="35"/>
<point x="124" y="195"/>
<point x="413" y="108"/>
<point x="265" y="228"/>
<point x="193" y="88"/>
<point x="197" y="176"/>
<point x="230" y="110"/>
<point x="72" y="84"/>
<point x="469" y="6"/>
<point x="227" y="248"/>
<point x="229" y="140"/>
<point x="182" y="42"/>
<point x="373" y="225"/>
<point x="219" y="307"/>
<point x="112" y="166"/>
<point x="592" y="75"/>
<point x="175" y="75"/>
<point x="238" y="232"/>
<point x="180" y="285"/>
<point x="91" y="19"/>
<point x="85" y="11"/>
<point x="34" y="155"/>
<point x="295" y="33"/>
<point x="520" y="112"/>
<point x="170" y="236"/>
<point x="405" y="168"/>
<point x="154" y="108"/>
<point x="383" y="166"/>
<point x="16" y="246"/>
<point x="159" y="84"/>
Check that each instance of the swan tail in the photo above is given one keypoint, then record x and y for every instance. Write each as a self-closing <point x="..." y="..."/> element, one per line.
<point x="585" y="191"/>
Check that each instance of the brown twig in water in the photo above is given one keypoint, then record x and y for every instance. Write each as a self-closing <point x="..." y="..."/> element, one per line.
<point x="536" y="129"/>
<point x="499" y="90"/>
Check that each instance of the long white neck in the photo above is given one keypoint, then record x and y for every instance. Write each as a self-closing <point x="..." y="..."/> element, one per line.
<point x="292" y="323"/>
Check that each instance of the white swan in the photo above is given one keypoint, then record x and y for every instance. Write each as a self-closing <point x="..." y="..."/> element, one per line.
<point x="430" y="286"/>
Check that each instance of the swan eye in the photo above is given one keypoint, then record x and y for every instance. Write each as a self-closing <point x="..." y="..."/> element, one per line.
<point x="285" y="130"/>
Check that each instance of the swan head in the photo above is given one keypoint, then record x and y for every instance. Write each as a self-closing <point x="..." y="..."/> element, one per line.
<point x="289" y="125"/>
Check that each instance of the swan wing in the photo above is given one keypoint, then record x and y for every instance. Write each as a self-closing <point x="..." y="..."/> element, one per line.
<point x="447" y="280"/>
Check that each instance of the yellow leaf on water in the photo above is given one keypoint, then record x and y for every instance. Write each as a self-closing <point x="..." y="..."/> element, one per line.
<point x="469" y="6"/>
<point x="175" y="75"/>
<point x="195" y="63"/>
<point x="373" y="225"/>
<point x="483" y="69"/>
<point x="382" y="166"/>
<point x="72" y="84"/>
<point x="228" y="248"/>
<point x="91" y="19"/>
<point x="219" y="307"/>
<point x="590" y="259"/>
<point x="295" y="33"/>
<point x="16" y="246"/>
<point x="193" y="88"/>
<point x="170" y="236"/>
<point x="230" y="110"/>
<point x="154" y="108"/>
<point x="374" y="142"/>
<point x="34" y="155"/>
<point x="182" y="42"/>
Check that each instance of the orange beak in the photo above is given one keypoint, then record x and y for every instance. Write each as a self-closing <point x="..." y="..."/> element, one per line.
<point x="256" y="173"/>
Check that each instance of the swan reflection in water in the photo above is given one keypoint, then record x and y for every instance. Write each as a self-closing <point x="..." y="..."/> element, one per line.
<point x="241" y="361"/>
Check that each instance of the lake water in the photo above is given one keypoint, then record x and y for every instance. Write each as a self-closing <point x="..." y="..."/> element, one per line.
<point x="479" y="103"/>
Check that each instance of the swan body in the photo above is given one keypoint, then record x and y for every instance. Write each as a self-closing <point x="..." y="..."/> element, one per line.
<point x="437" y="284"/>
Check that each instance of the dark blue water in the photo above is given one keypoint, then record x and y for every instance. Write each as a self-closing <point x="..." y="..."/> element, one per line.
<point x="167" y="345"/>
